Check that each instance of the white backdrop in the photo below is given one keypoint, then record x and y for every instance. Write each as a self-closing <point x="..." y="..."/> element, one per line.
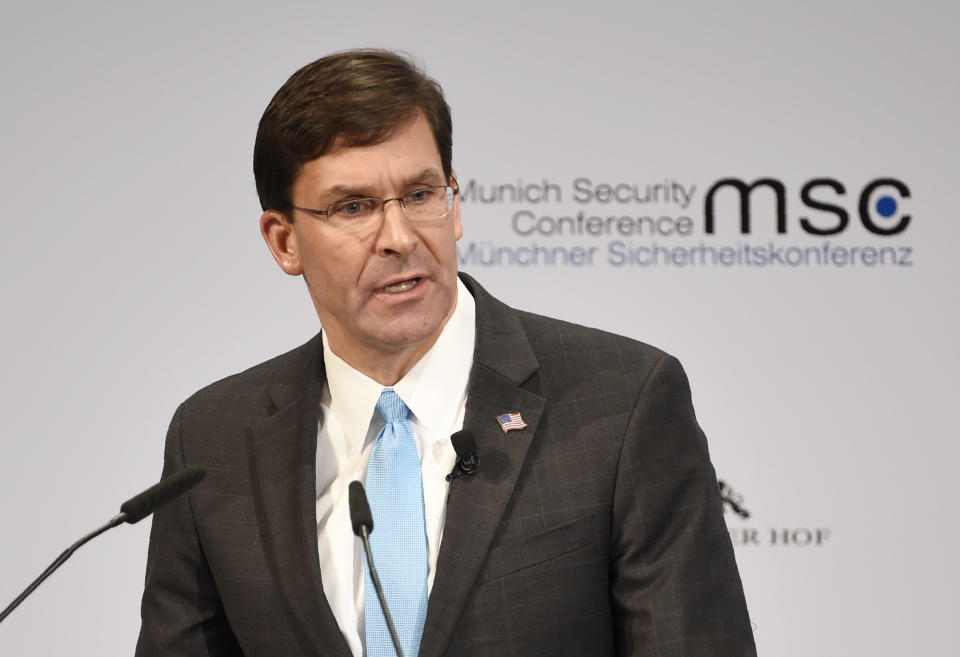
<point x="134" y="272"/>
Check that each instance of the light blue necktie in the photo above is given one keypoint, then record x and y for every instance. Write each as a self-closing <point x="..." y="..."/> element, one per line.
<point x="399" y="537"/>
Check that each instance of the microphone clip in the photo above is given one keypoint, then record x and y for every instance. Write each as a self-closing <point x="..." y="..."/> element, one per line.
<point x="466" y="465"/>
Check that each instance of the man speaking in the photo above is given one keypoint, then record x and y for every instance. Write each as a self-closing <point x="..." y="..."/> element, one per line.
<point x="588" y="522"/>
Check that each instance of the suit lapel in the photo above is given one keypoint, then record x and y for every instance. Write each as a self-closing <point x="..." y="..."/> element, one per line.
<point x="503" y="361"/>
<point x="282" y="450"/>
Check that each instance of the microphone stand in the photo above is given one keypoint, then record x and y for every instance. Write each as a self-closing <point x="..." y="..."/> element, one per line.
<point x="133" y="510"/>
<point x="376" y="585"/>
<point x="66" y="554"/>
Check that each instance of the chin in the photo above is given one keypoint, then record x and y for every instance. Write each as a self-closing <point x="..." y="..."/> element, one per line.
<point x="402" y="334"/>
<point x="401" y="339"/>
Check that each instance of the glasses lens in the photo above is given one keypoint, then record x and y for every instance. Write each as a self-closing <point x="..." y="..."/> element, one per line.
<point x="353" y="212"/>
<point x="428" y="203"/>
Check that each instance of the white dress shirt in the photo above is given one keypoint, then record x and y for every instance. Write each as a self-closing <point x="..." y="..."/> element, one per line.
<point x="435" y="391"/>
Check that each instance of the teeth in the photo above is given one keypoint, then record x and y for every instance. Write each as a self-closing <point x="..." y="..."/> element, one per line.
<point x="402" y="286"/>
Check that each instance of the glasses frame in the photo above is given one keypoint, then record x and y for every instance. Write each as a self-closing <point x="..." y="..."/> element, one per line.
<point x="455" y="188"/>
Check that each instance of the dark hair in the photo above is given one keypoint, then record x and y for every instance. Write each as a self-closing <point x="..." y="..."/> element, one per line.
<point x="351" y="98"/>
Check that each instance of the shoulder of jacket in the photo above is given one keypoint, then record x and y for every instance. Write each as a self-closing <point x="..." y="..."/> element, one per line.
<point x="290" y="368"/>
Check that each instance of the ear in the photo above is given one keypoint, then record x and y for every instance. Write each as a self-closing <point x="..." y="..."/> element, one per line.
<point x="282" y="241"/>
<point x="457" y="225"/>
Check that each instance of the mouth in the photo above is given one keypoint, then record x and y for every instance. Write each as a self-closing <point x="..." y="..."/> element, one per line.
<point x="401" y="286"/>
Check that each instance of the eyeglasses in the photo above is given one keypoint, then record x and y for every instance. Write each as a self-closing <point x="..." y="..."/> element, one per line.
<point x="419" y="206"/>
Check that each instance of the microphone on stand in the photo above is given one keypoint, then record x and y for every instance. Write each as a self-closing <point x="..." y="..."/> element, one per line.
<point x="133" y="510"/>
<point x="362" y="520"/>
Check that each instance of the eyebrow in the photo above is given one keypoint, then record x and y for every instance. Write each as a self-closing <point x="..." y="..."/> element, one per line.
<point x="429" y="176"/>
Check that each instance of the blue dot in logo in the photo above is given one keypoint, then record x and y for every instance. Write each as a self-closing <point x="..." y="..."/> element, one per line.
<point x="886" y="206"/>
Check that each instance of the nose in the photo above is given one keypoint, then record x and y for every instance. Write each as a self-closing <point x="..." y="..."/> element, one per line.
<point x="396" y="235"/>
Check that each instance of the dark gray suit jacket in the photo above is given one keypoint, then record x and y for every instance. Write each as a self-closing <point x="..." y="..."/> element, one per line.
<point x="595" y="531"/>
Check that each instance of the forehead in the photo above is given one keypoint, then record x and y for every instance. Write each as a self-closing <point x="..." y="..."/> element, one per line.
<point x="409" y="152"/>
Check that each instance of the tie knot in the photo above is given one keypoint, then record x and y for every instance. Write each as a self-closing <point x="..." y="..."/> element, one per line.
<point x="391" y="407"/>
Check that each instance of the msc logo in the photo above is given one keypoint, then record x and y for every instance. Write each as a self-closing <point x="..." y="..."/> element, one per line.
<point x="824" y="194"/>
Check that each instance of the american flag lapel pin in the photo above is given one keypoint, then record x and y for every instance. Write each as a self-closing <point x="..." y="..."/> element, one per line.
<point x="511" y="421"/>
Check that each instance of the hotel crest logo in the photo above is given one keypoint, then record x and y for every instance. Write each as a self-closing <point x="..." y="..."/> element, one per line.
<point x="776" y="536"/>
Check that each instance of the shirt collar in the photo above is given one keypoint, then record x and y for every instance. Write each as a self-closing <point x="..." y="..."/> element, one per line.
<point x="433" y="389"/>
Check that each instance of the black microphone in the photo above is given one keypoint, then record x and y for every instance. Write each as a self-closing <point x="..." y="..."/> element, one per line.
<point x="360" y="515"/>
<point x="139" y="507"/>
<point x="362" y="520"/>
<point x="133" y="510"/>
<point x="465" y="445"/>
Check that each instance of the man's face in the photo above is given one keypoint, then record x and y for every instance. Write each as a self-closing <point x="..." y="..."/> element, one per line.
<point x="387" y="291"/>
